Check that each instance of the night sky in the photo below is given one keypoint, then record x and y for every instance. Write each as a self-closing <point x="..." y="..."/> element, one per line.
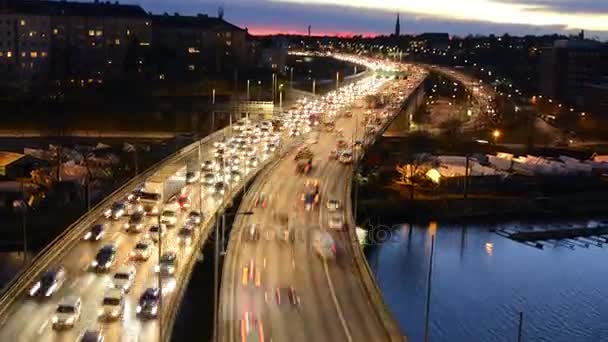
<point x="372" y="17"/>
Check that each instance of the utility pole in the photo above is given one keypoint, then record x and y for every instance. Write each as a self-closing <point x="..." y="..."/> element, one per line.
<point x="428" y="292"/>
<point x="216" y="271"/>
<point x="291" y="77"/>
<point x="314" y="85"/>
<point x="273" y="87"/>
<point x="213" y="97"/>
<point x="466" y="177"/>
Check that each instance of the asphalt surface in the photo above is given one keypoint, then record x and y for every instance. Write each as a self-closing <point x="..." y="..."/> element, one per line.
<point x="334" y="306"/>
<point x="29" y="319"/>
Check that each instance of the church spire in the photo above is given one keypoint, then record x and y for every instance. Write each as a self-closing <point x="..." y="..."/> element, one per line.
<point x="397" y="27"/>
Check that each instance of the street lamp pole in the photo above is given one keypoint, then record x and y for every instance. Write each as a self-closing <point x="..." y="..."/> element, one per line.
<point x="337" y="80"/>
<point x="314" y="85"/>
<point x="291" y="77"/>
<point x="281" y="95"/>
<point x="213" y="97"/>
<point x="248" y="84"/>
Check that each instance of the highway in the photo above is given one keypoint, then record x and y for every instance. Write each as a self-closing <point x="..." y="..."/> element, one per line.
<point x="30" y="319"/>
<point x="335" y="304"/>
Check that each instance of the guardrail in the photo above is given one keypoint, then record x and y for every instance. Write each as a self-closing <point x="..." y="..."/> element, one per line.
<point x="60" y="245"/>
<point x="169" y="317"/>
<point x="369" y="284"/>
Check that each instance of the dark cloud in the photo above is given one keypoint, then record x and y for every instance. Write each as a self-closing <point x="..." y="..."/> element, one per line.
<point x="565" y="6"/>
<point x="326" y="18"/>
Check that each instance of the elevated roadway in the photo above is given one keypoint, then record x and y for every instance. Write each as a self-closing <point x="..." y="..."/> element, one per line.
<point x="338" y="299"/>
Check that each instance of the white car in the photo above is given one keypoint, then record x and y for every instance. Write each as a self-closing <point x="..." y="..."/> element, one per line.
<point x="169" y="218"/>
<point x="112" y="305"/>
<point x="67" y="313"/>
<point x="167" y="264"/>
<point x="142" y="250"/>
<point x="336" y="222"/>
<point x="123" y="278"/>
<point x="333" y="205"/>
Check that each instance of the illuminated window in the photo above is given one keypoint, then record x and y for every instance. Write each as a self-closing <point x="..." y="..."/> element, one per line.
<point x="128" y="32"/>
<point x="229" y="42"/>
<point x="191" y="67"/>
<point x="99" y="33"/>
<point x="91" y="33"/>
<point x="43" y="54"/>
<point x="144" y="44"/>
<point x="193" y="50"/>
<point x="34" y="54"/>
<point x="32" y="33"/>
<point x="116" y="41"/>
<point x="147" y="23"/>
<point x="22" y="22"/>
<point x="55" y="31"/>
<point x="1" y="54"/>
<point x="161" y="76"/>
<point x="9" y="54"/>
<point x="23" y="54"/>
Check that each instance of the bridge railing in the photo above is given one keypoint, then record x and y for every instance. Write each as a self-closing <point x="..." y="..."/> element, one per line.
<point x="51" y="254"/>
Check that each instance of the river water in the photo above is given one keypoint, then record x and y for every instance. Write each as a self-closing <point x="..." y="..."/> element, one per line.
<point x="481" y="281"/>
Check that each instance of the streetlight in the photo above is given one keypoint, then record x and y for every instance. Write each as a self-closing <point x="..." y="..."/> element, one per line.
<point x="259" y="90"/>
<point x="281" y="95"/>
<point x="216" y="270"/>
<point x="248" y="84"/>
<point x="213" y="97"/>
<point x="496" y="134"/>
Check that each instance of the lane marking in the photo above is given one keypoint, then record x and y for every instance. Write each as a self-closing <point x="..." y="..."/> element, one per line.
<point x="42" y="327"/>
<point x="335" y="299"/>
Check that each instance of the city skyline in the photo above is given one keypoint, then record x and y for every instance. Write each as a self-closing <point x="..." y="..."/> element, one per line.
<point x="339" y="17"/>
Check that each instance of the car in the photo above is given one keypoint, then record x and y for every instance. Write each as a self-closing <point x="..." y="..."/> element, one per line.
<point x="185" y="235"/>
<point x="105" y="257"/>
<point x="142" y="250"/>
<point x="336" y="221"/>
<point x="123" y="278"/>
<point x="96" y="232"/>
<point x="252" y="162"/>
<point x="148" y="303"/>
<point x="235" y="176"/>
<point x="219" y="188"/>
<point x="194" y="217"/>
<point x="136" y="222"/>
<point x="192" y="177"/>
<point x="252" y="329"/>
<point x="209" y="178"/>
<point x="183" y="201"/>
<point x="168" y="217"/>
<point x="346" y="157"/>
<point x="253" y="233"/>
<point x="67" y="313"/>
<point x="117" y="210"/>
<point x="286" y="235"/>
<point x="154" y="230"/>
<point x="210" y="166"/>
<point x="112" y="305"/>
<point x="49" y="283"/>
<point x="167" y="264"/>
<point x="287" y="295"/>
<point x="333" y="205"/>
<point x="251" y="274"/>
<point x="91" y="336"/>
<point x="261" y="200"/>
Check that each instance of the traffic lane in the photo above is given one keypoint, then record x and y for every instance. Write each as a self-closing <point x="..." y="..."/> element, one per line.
<point x="80" y="282"/>
<point x="343" y="272"/>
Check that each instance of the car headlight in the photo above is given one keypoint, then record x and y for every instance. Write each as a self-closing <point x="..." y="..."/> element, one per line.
<point x="138" y="309"/>
<point x="87" y="236"/>
<point x="100" y="312"/>
<point x="50" y="290"/>
<point x="94" y="263"/>
<point x="154" y="310"/>
<point x="35" y="289"/>
<point x="69" y="320"/>
<point x="157" y="268"/>
<point x="55" y="319"/>
<point x="126" y="225"/>
<point x="108" y="264"/>
<point x="132" y="253"/>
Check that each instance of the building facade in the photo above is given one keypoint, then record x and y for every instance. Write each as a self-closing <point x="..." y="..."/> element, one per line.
<point x="83" y="42"/>
<point x="568" y="66"/>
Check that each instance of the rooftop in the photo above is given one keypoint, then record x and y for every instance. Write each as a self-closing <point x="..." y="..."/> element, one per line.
<point x="7" y="158"/>
<point x="70" y="8"/>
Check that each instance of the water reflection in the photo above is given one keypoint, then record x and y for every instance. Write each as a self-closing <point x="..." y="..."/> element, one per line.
<point x="481" y="281"/>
